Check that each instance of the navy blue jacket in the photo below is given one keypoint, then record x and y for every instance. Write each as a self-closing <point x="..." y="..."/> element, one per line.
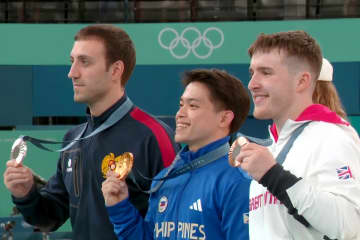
<point x="75" y="190"/>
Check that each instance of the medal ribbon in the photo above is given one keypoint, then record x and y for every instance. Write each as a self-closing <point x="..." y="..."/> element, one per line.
<point x="194" y="164"/>
<point x="116" y="116"/>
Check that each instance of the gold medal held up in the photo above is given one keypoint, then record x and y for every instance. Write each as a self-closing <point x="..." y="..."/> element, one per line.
<point x="121" y="165"/>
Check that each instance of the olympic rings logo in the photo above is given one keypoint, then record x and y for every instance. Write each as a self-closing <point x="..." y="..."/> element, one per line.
<point x="191" y="45"/>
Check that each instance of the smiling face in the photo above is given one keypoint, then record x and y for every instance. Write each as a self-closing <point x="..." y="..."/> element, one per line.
<point x="198" y="123"/>
<point x="272" y="86"/>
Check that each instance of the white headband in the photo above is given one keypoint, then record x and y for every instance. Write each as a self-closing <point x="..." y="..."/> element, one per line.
<point x="326" y="73"/>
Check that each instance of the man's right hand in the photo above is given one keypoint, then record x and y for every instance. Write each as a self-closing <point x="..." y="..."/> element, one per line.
<point x="18" y="179"/>
<point x="114" y="189"/>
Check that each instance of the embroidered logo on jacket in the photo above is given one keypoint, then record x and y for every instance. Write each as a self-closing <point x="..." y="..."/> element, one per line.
<point x="69" y="168"/>
<point x="163" y="202"/>
<point x="196" y="205"/>
<point x="344" y="172"/>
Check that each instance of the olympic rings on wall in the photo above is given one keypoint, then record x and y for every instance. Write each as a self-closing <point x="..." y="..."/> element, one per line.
<point x="191" y="46"/>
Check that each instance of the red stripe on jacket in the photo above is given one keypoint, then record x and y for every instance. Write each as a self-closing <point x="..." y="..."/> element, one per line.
<point x="165" y="145"/>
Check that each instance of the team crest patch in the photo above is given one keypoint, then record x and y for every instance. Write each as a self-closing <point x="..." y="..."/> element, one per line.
<point x="163" y="203"/>
<point x="121" y="165"/>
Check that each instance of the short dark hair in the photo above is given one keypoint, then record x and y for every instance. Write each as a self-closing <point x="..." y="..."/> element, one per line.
<point x="226" y="92"/>
<point x="297" y="44"/>
<point x="118" y="46"/>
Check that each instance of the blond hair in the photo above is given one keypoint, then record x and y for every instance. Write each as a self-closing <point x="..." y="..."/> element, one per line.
<point x="325" y="93"/>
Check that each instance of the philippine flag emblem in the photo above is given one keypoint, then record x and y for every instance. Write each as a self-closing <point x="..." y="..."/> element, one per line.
<point x="163" y="202"/>
<point x="344" y="173"/>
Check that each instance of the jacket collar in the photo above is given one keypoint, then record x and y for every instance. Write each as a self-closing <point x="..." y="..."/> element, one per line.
<point x="315" y="112"/>
<point x="95" y="122"/>
<point x="188" y="156"/>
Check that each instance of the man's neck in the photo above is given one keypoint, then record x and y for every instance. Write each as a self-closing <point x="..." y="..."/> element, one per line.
<point x="193" y="147"/>
<point x="100" y="107"/>
<point x="297" y="110"/>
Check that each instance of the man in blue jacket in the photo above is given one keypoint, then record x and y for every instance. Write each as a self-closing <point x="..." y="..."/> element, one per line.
<point x="102" y="60"/>
<point x="199" y="196"/>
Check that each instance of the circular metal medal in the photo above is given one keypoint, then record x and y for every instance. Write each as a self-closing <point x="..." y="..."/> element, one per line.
<point x="235" y="150"/>
<point x="124" y="165"/>
<point x="121" y="165"/>
<point x="18" y="150"/>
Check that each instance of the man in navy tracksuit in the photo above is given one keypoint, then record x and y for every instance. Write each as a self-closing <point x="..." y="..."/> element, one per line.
<point x="201" y="196"/>
<point x="99" y="80"/>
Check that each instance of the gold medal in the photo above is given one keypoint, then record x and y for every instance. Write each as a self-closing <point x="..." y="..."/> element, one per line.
<point x="18" y="150"/>
<point x="121" y="165"/>
<point x="235" y="150"/>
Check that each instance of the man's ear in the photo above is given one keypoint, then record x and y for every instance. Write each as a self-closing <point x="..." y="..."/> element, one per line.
<point x="304" y="82"/>
<point x="226" y="118"/>
<point x="117" y="70"/>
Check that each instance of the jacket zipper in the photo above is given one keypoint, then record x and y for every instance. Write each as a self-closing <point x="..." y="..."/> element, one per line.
<point x="76" y="178"/>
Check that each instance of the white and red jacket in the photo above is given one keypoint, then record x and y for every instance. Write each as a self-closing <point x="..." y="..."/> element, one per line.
<point x="315" y="192"/>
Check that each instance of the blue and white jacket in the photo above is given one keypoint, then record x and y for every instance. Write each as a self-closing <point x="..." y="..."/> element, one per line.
<point x="210" y="202"/>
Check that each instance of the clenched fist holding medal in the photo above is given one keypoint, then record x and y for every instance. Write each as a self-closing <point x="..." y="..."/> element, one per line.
<point x="115" y="171"/>
<point x="18" y="178"/>
<point x="255" y="159"/>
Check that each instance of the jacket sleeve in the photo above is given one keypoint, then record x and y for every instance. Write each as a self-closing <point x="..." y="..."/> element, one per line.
<point x="47" y="207"/>
<point x="128" y="223"/>
<point x="235" y="209"/>
<point x="322" y="199"/>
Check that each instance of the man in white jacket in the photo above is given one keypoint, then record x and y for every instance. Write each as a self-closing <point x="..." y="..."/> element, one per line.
<point x="315" y="192"/>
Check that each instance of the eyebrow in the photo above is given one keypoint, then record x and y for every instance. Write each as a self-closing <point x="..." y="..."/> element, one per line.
<point x="190" y="99"/>
<point x="261" y="68"/>
<point x="82" y="56"/>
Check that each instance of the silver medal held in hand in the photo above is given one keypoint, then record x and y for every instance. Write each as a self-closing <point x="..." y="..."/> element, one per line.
<point x="18" y="150"/>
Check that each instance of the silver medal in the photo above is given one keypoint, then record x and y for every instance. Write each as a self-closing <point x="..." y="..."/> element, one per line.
<point x="18" y="150"/>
